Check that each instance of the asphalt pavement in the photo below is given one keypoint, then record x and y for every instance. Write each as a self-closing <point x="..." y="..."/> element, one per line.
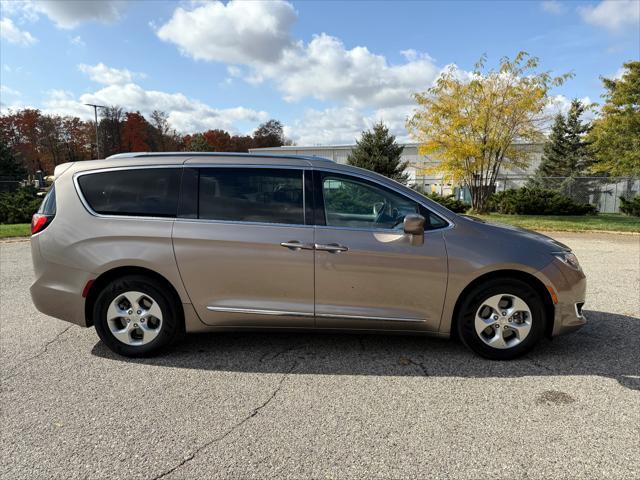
<point x="246" y="405"/>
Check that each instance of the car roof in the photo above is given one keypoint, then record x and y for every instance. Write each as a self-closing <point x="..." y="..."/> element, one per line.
<point x="225" y="157"/>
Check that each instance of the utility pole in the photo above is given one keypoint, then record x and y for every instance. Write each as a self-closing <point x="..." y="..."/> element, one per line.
<point x="95" y="114"/>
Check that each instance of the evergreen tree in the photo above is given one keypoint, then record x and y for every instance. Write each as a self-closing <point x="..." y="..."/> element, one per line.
<point x="378" y="151"/>
<point x="9" y="164"/>
<point x="555" y="150"/>
<point x="567" y="154"/>
<point x="616" y="132"/>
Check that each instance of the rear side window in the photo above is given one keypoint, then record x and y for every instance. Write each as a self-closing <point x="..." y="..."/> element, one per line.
<point x="143" y="192"/>
<point x="48" y="205"/>
<point x="262" y="195"/>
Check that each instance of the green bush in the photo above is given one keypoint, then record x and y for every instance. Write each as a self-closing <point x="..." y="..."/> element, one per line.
<point x="19" y="206"/>
<point x="537" y="201"/>
<point x="448" y="201"/>
<point x="630" y="206"/>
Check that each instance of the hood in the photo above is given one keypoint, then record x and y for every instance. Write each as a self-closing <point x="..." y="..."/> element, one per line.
<point x="539" y="239"/>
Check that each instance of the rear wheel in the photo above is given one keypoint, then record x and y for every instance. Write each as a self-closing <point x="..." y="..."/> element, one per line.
<point x="502" y="319"/>
<point x="136" y="316"/>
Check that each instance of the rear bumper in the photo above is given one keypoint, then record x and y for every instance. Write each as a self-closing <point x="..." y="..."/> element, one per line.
<point x="57" y="290"/>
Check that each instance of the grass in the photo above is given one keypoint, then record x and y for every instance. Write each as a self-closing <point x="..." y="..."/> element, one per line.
<point x="605" y="222"/>
<point x="16" y="230"/>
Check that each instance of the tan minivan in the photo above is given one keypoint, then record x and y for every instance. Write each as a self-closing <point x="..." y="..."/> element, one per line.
<point x="147" y="246"/>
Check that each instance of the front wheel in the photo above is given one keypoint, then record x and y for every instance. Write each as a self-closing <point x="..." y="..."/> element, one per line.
<point x="502" y="319"/>
<point x="136" y="316"/>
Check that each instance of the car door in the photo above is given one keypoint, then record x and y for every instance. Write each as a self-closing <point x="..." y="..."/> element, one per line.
<point x="369" y="274"/>
<point x="243" y="248"/>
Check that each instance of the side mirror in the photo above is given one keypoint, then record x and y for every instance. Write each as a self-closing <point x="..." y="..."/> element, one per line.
<point x="414" y="224"/>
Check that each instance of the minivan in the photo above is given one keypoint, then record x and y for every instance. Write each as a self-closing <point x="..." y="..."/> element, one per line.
<point x="148" y="246"/>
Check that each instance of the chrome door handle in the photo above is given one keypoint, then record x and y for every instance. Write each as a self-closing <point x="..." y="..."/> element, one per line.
<point x="296" y="245"/>
<point x="331" y="247"/>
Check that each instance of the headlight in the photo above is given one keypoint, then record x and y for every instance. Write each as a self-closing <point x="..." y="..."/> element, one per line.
<point x="569" y="259"/>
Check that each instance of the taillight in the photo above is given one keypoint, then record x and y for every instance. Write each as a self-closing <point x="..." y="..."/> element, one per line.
<point x="39" y="222"/>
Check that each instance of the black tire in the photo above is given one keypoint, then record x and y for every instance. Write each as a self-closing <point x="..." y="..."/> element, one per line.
<point x="465" y="324"/>
<point x="172" y="316"/>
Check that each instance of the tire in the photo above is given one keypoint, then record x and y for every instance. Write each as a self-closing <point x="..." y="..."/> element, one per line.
<point x="519" y="335"/>
<point x="137" y="316"/>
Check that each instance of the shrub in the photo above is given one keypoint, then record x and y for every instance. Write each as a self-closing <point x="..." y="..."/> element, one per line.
<point x="19" y="206"/>
<point x="537" y="201"/>
<point x="630" y="206"/>
<point x="447" y="201"/>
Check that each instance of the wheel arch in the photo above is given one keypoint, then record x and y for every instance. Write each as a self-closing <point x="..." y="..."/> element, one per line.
<point x="528" y="278"/>
<point x="104" y="278"/>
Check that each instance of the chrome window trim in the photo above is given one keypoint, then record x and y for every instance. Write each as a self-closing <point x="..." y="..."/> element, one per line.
<point x="449" y="225"/>
<point x="238" y="222"/>
<point x="86" y="205"/>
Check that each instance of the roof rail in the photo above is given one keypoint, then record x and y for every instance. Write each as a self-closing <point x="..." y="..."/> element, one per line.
<point x="217" y="154"/>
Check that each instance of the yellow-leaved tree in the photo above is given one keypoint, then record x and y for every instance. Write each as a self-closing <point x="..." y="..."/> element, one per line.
<point x="471" y="123"/>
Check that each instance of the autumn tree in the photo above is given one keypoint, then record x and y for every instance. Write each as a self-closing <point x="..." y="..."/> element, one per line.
<point x="378" y="151"/>
<point x="616" y="133"/>
<point x="135" y="133"/>
<point x="472" y="123"/>
<point x="269" y="134"/>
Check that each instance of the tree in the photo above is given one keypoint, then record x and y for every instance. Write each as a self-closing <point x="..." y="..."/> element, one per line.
<point x="135" y="133"/>
<point x="378" y="151"/>
<point x="269" y="134"/>
<point x="110" y="129"/>
<point x="198" y="143"/>
<point x="471" y="123"/>
<point x="567" y="154"/>
<point x="616" y="133"/>
<point x="9" y="165"/>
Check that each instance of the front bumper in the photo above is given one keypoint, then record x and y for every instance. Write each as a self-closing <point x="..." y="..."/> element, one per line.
<point x="570" y="287"/>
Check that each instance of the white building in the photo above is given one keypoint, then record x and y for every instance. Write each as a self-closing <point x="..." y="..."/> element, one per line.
<point x="417" y="164"/>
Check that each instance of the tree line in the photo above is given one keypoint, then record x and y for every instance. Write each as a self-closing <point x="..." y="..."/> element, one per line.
<point x="31" y="140"/>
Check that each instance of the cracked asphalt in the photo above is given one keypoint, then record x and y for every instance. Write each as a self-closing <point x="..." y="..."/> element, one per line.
<point x="246" y="405"/>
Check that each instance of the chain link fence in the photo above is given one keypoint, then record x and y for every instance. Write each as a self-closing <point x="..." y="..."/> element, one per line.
<point x="603" y="192"/>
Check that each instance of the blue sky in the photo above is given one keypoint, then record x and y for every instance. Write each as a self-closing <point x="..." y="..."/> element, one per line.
<point x="325" y="69"/>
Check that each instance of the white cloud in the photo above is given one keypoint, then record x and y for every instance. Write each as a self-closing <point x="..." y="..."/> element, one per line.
<point x="69" y="14"/>
<point x="12" y="34"/>
<point x="561" y="104"/>
<point x="344" y="125"/>
<point x="77" y="41"/>
<point x="238" y="32"/>
<point x="325" y="69"/>
<point x="4" y="90"/>
<point x="109" y="76"/>
<point x="553" y="6"/>
<point x="255" y="38"/>
<point x="614" y="15"/>
<point x="185" y="114"/>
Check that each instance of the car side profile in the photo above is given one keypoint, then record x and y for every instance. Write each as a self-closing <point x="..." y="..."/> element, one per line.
<point x="147" y="246"/>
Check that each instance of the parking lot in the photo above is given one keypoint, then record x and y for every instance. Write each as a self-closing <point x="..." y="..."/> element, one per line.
<point x="246" y="405"/>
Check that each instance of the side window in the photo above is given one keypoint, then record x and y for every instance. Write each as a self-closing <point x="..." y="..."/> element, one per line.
<point x="48" y="205"/>
<point x="265" y="195"/>
<point x="145" y="192"/>
<point x="351" y="203"/>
